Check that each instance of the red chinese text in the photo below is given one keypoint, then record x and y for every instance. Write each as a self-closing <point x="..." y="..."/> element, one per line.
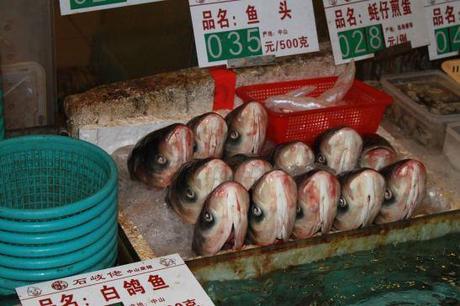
<point x="109" y="293"/>
<point x="284" y="11"/>
<point x="67" y="300"/>
<point x="252" y="14"/>
<point x="339" y="19"/>
<point x="189" y="302"/>
<point x="437" y="17"/>
<point x="208" y="22"/>
<point x="157" y="282"/>
<point x="46" y="302"/>
<point x="222" y="18"/>
<point x="406" y="7"/>
<point x="133" y="287"/>
<point x="450" y="17"/>
<point x="351" y="19"/>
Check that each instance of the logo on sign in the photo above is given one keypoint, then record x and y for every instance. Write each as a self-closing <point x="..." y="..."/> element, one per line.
<point x="59" y="285"/>
<point x="34" y="291"/>
<point x="167" y="262"/>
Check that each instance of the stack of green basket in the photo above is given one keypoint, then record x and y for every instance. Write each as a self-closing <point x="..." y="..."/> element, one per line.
<point x="58" y="209"/>
<point x="2" y="121"/>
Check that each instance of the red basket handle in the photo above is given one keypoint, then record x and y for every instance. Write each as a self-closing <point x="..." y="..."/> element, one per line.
<point x="224" y="88"/>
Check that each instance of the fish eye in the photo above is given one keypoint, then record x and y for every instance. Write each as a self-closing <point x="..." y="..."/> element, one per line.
<point x="388" y="194"/>
<point x="321" y="159"/>
<point x="190" y="194"/>
<point x="207" y="217"/>
<point x="343" y="203"/>
<point x="234" y="134"/>
<point x="160" y="159"/>
<point x="256" y="211"/>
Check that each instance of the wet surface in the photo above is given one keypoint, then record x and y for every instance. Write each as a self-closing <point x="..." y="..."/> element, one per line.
<point x="413" y="273"/>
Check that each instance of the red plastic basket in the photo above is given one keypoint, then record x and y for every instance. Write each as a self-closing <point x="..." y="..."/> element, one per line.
<point x="363" y="110"/>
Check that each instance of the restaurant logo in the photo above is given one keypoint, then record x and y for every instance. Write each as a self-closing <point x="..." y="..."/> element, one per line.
<point x="59" y="285"/>
<point x="34" y="291"/>
<point x="167" y="262"/>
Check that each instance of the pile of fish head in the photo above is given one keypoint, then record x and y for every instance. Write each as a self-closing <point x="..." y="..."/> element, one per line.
<point x="318" y="194"/>
<point x="223" y="221"/>
<point x="406" y="188"/>
<point x="158" y="156"/>
<point x="247" y="170"/>
<point x="295" y="158"/>
<point x="363" y="192"/>
<point x="193" y="184"/>
<point x="377" y="153"/>
<point x="339" y="149"/>
<point x="210" y="131"/>
<point x="273" y="208"/>
<point x="247" y="128"/>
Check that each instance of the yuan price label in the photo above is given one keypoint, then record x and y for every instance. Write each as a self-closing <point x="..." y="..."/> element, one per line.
<point x="80" y="6"/>
<point x="443" y="18"/>
<point x="160" y="281"/>
<point x="231" y="29"/>
<point x="359" y="28"/>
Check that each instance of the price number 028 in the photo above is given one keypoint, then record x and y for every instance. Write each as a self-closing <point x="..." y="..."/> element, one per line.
<point x="233" y="44"/>
<point x="362" y="41"/>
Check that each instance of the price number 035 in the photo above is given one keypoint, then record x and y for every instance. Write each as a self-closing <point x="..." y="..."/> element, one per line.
<point x="233" y="44"/>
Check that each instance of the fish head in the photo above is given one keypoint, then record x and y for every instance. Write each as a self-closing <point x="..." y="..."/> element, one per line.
<point x="318" y="194"/>
<point x="406" y="188"/>
<point x="250" y="171"/>
<point x="339" y="149"/>
<point x="193" y="184"/>
<point x="363" y="192"/>
<point x="223" y="221"/>
<point x="210" y="132"/>
<point x="377" y="158"/>
<point x="273" y="208"/>
<point x="295" y="158"/>
<point x="158" y="156"/>
<point x="247" y="128"/>
<point x="377" y="152"/>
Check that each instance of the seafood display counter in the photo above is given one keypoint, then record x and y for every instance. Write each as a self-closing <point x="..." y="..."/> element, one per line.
<point x="153" y="228"/>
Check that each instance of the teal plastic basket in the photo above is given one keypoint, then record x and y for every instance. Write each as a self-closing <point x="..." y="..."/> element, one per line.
<point x="46" y="177"/>
<point x="58" y="209"/>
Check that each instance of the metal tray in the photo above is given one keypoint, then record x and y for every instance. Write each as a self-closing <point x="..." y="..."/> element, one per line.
<point x="143" y="226"/>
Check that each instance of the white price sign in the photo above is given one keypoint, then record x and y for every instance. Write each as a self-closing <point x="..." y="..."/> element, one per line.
<point x="80" y="6"/>
<point x="359" y="28"/>
<point x="231" y="29"/>
<point x="443" y="19"/>
<point x="160" y="281"/>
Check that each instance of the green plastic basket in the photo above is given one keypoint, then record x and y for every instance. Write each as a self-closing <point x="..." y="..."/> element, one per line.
<point x="58" y="209"/>
<point x="46" y="177"/>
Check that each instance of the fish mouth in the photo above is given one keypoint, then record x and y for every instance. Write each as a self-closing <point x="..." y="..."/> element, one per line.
<point x="230" y="242"/>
